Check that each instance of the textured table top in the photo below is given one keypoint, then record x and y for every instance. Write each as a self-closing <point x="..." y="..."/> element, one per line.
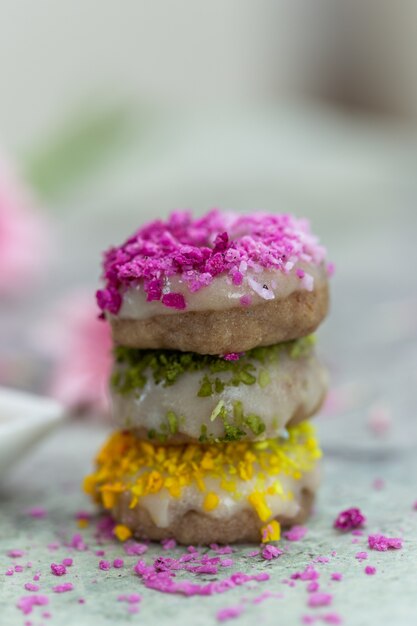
<point x="386" y="597"/>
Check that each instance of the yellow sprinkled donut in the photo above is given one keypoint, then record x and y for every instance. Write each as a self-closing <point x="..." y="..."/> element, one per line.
<point x="150" y="488"/>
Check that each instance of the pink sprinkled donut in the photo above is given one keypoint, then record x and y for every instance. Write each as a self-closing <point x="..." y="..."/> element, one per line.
<point x="218" y="284"/>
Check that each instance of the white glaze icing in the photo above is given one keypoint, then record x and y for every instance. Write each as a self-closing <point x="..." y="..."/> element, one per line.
<point x="295" y="384"/>
<point x="163" y="509"/>
<point x="222" y="293"/>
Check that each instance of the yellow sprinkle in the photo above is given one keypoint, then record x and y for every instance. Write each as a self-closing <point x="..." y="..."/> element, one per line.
<point x="207" y="462"/>
<point x="271" y="532"/>
<point x="276" y="488"/>
<point x="148" y="448"/>
<point x="211" y="501"/>
<point x="89" y="484"/>
<point x="126" y="464"/>
<point x="82" y="522"/>
<point x="154" y="482"/>
<point x="228" y="485"/>
<point x="108" y="498"/>
<point x="122" y="532"/>
<point x="257" y="500"/>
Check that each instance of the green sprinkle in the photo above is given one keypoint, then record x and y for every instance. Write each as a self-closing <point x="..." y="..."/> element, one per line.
<point x="232" y="433"/>
<point x="206" y="389"/>
<point x="165" y="367"/>
<point x="218" y="385"/>
<point x="246" y="378"/>
<point x="203" y="434"/>
<point x="264" y="378"/>
<point x="217" y="410"/>
<point x="238" y="412"/>
<point x="255" y="423"/>
<point x="172" y="422"/>
<point x="302" y="347"/>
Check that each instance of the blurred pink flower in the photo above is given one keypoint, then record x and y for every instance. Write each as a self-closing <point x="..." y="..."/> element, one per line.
<point x="23" y="234"/>
<point x="79" y="345"/>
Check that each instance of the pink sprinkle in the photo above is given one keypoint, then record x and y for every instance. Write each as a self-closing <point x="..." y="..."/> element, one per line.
<point x="271" y="552"/>
<point x="77" y="542"/>
<point x="260" y="577"/>
<point x="308" y="619"/>
<point x="58" y="570"/>
<point x="320" y="599"/>
<point x="81" y="600"/>
<point x="337" y="576"/>
<point x="37" y="512"/>
<point x="83" y="515"/>
<point x="378" y="484"/>
<point x="15" y="554"/>
<point x="168" y="544"/>
<point x="296" y="533"/>
<point x="133" y="608"/>
<point x="321" y="559"/>
<point x="174" y="301"/>
<point x="265" y="595"/>
<point x="233" y="356"/>
<point x="100" y="552"/>
<point x="37" y="576"/>
<point x="245" y="300"/>
<point x="131" y="598"/>
<point x="330" y="269"/>
<point x="104" y="565"/>
<point x="26" y="603"/>
<point x="163" y="580"/>
<point x="380" y="420"/>
<point x="226" y="562"/>
<point x="46" y="615"/>
<point x="192" y="549"/>
<point x="118" y="563"/>
<point x="300" y="273"/>
<point x="313" y="586"/>
<point x="237" y="278"/>
<point x="332" y="618"/>
<point x="308" y="574"/>
<point x="253" y="553"/>
<point x="134" y="549"/>
<point x="31" y="587"/>
<point x="357" y="533"/>
<point x="10" y="571"/>
<point x="370" y="570"/>
<point x="230" y="612"/>
<point x="383" y="543"/>
<point x="63" y="588"/>
<point x="361" y="556"/>
<point x="67" y="562"/>
<point x="53" y="546"/>
<point x="18" y="568"/>
<point x="199" y="249"/>
<point x="351" y="518"/>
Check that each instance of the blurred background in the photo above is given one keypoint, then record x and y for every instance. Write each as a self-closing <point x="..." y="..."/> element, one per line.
<point x="113" y="113"/>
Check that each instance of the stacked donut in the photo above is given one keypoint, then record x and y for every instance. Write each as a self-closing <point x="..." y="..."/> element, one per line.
<point x="214" y="377"/>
